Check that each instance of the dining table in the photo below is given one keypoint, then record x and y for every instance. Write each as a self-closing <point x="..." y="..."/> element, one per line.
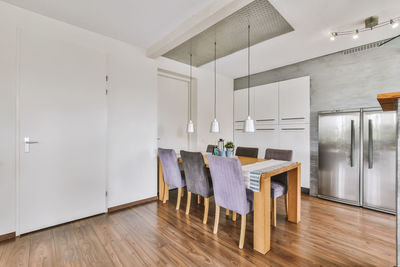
<point x="262" y="199"/>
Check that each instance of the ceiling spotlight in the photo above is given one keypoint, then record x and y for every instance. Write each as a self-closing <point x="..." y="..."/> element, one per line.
<point x="394" y="24"/>
<point x="355" y="35"/>
<point x="333" y="36"/>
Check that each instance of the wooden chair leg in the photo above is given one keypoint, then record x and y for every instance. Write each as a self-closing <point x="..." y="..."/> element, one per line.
<point x="242" y="231"/>
<point x="189" y="198"/>
<point x="286" y="203"/>
<point x="183" y="192"/>
<point x="198" y="199"/>
<point x="206" y="206"/>
<point x="166" y="189"/>
<point x="234" y="216"/>
<point x="178" y="199"/>
<point x="227" y="212"/>
<point x="274" y="212"/>
<point x="216" y="220"/>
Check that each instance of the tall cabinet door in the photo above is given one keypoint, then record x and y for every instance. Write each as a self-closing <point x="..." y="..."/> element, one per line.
<point x="294" y="100"/>
<point x="379" y="184"/>
<point x="297" y="138"/>
<point x="266" y="104"/>
<point x="240" y="106"/>
<point x="338" y="151"/>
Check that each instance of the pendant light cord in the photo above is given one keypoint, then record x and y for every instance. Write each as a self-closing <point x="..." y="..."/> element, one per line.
<point x="190" y="90"/>
<point x="248" y="70"/>
<point x="215" y="80"/>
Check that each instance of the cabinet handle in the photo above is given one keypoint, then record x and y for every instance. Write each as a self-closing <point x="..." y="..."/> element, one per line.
<point x="266" y="120"/>
<point x="370" y="146"/>
<point x="266" y="129"/>
<point x="298" y="118"/>
<point x="292" y="129"/>
<point x="352" y="145"/>
<point x="239" y="121"/>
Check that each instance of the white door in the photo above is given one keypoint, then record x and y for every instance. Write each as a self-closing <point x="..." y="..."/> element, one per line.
<point x="294" y="100"/>
<point x="173" y="113"/>
<point x="62" y="106"/>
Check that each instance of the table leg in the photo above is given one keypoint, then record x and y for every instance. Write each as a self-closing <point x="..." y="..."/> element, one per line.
<point x="262" y="216"/>
<point x="294" y="192"/>
<point x="161" y="184"/>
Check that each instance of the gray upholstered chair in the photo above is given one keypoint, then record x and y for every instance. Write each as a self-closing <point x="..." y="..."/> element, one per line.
<point x="251" y="152"/>
<point x="279" y="183"/>
<point x="198" y="180"/>
<point x="230" y="191"/>
<point x="172" y="173"/>
<point x="210" y="148"/>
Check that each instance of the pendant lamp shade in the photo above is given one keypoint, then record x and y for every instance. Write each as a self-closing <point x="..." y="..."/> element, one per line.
<point x="249" y="125"/>
<point x="190" y="126"/>
<point x="215" y="124"/>
<point x="249" y="122"/>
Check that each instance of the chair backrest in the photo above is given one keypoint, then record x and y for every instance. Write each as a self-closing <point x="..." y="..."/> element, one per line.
<point x="251" y="152"/>
<point x="279" y="154"/>
<point x="170" y="167"/>
<point x="196" y="174"/>
<point x="228" y="183"/>
<point x="210" y="148"/>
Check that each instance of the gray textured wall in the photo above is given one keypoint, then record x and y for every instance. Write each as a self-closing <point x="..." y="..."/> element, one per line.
<point x="338" y="81"/>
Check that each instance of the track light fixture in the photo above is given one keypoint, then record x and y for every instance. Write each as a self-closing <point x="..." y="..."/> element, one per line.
<point x="371" y="23"/>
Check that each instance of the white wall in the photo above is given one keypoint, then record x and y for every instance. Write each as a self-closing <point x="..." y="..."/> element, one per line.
<point x="132" y="109"/>
<point x="205" y="102"/>
<point x="7" y="127"/>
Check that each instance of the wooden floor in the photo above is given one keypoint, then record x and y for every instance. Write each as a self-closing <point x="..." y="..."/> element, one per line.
<point x="154" y="234"/>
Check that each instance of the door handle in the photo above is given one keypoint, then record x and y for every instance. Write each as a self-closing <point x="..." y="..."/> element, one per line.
<point x="370" y="146"/>
<point x="352" y="145"/>
<point x="28" y="142"/>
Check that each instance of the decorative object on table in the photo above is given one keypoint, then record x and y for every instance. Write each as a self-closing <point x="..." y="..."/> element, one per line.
<point x="222" y="153"/>
<point x="190" y="126"/>
<point x="249" y="123"/>
<point x="215" y="124"/>
<point x="215" y="151"/>
<point x="221" y="144"/>
<point x="230" y="146"/>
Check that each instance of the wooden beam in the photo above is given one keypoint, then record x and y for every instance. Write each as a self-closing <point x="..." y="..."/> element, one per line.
<point x="199" y="22"/>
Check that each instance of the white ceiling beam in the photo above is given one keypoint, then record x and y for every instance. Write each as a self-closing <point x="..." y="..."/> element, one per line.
<point x="199" y="22"/>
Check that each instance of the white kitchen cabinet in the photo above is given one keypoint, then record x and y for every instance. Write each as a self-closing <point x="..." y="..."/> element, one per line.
<point x="294" y="100"/>
<point x="296" y="137"/>
<point x="266" y="137"/>
<point x="266" y="106"/>
<point x="240" y="105"/>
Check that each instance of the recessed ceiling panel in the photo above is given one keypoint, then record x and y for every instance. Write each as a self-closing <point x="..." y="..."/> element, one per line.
<point x="230" y="34"/>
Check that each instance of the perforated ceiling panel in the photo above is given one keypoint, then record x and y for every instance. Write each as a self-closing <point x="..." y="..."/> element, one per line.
<point x="231" y="34"/>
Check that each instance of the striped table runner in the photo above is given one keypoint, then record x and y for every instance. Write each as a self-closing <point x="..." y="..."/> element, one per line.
<point x="252" y="172"/>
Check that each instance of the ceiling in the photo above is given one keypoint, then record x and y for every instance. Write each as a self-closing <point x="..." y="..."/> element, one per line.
<point x="313" y="20"/>
<point x="138" y="22"/>
<point x="143" y="23"/>
<point x="231" y="34"/>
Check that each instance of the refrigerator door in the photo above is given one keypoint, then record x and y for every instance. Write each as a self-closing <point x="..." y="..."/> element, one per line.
<point x="379" y="160"/>
<point x="339" y="156"/>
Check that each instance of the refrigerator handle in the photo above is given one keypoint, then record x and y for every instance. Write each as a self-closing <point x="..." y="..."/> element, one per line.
<point x="352" y="145"/>
<point x="370" y="146"/>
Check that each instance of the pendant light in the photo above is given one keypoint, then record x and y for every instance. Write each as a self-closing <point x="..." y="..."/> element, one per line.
<point x="249" y="123"/>
<point x="190" y="126"/>
<point x="215" y="124"/>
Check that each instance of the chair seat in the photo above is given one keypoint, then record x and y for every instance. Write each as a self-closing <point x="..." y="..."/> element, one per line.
<point x="277" y="189"/>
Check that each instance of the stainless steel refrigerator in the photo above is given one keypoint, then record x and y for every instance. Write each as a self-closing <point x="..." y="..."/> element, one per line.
<point x="357" y="158"/>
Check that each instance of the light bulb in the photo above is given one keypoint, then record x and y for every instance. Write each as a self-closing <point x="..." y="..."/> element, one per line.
<point x="394" y="24"/>
<point x="333" y="36"/>
<point x="355" y="35"/>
